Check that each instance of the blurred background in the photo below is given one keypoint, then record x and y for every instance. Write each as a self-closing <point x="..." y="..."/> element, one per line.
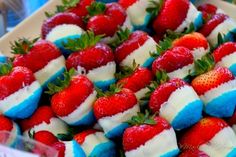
<point x="13" y="12"/>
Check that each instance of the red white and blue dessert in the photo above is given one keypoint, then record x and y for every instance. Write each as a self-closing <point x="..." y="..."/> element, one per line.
<point x="42" y="57"/>
<point x="217" y="89"/>
<point x="208" y="136"/>
<point x="177" y="102"/>
<point x="114" y="109"/>
<point x="138" y="47"/>
<point x="43" y="119"/>
<point x="94" y="143"/>
<point x="72" y="99"/>
<point x="93" y="59"/>
<point x="225" y="56"/>
<point x="20" y="91"/>
<point x="61" y="27"/>
<point x="154" y="138"/>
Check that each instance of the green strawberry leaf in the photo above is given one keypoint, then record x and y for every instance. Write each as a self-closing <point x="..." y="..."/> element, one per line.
<point x="113" y="89"/>
<point x="61" y="83"/>
<point x="5" y="68"/>
<point x="66" y="4"/>
<point x="126" y="71"/>
<point x="161" y="77"/>
<point x="88" y="39"/>
<point x="123" y="35"/>
<point x="31" y="134"/>
<point x="96" y="8"/>
<point x="154" y="7"/>
<point x="22" y="45"/>
<point x="141" y="118"/>
<point x="203" y="65"/>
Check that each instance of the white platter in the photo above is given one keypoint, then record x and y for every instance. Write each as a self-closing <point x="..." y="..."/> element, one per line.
<point x="30" y="27"/>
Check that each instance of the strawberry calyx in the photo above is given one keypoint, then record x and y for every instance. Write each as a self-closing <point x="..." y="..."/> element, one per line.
<point x="66" y="4"/>
<point x="154" y="8"/>
<point x="126" y="71"/>
<point x="22" y="46"/>
<point x="5" y="68"/>
<point x="86" y="40"/>
<point x="161" y="47"/>
<point x="61" y="83"/>
<point x="203" y="65"/>
<point x="96" y="8"/>
<point x="113" y="89"/>
<point x="122" y="35"/>
<point x="141" y="118"/>
<point x="161" y="77"/>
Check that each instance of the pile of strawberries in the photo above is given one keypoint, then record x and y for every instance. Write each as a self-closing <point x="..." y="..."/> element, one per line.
<point x="128" y="78"/>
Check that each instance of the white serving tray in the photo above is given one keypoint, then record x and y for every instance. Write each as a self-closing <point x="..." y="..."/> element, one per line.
<point x="30" y="27"/>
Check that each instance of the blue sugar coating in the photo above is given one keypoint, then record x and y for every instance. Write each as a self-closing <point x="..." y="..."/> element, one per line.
<point x="3" y="59"/>
<point x="77" y="150"/>
<point x="232" y="68"/>
<point x="59" y="43"/>
<point x="107" y="1"/>
<point x="87" y="119"/>
<point x="54" y="77"/>
<point x="143" y="26"/>
<point x="191" y="114"/>
<point x="171" y="153"/>
<point x="26" y="108"/>
<point x="117" y="131"/>
<point x="193" y="1"/>
<point x="104" y="84"/>
<point x="198" y="22"/>
<point x="107" y="149"/>
<point x="148" y="62"/>
<point x="232" y="153"/>
<point x="223" y="105"/>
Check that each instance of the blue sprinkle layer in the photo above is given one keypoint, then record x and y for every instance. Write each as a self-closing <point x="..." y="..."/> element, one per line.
<point x="77" y="150"/>
<point x="117" y="131"/>
<point x="107" y="149"/>
<point x="87" y="119"/>
<point x="171" y="153"/>
<point x="104" y="84"/>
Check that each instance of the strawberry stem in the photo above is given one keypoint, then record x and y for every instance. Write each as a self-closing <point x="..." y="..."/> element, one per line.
<point x="66" y="4"/>
<point x="61" y="83"/>
<point x="154" y="7"/>
<point x="113" y="89"/>
<point x="5" y="68"/>
<point x="126" y="71"/>
<point x="141" y="118"/>
<point x="96" y="8"/>
<point x="86" y="40"/>
<point x="22" y="46"/>
<point x="123" y="35"/>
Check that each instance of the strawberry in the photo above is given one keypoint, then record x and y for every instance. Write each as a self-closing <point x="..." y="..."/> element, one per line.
<point x="219" y="81"/>
<point x="177" y="62"/>
<point x="208" y="10"/>
<point x="219" y="24"/>
<point x="207" y="135"/>
<point x="91" y="58"/>
<point x="60" y="19"/>
<point x="177" y="10"/>
<point x="70" y="96"/>
<point x="48" y="122"/>
<point x="195" y="42"/>
<point x="45" y="137"/>
<point x="114" y="108"/>
<point x="136" y="46"/>
<point x="149" y="133"/>
<point x="224" y="56"/>
<point x="137" y="80"/>
<point x="138" y="11"/>
<point x="97" y="143"/>
<point x="61" y="27"/>
<point x="5" y="124"/>
<point x="69" y="148"/>
<point x="18" y="91"/>
<point x="103" y="15"/>
<point x="193" y="153"/>
<point x="8" y="126"/>
<point x="177" y="102"/>
<point x="42" y="57"/>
